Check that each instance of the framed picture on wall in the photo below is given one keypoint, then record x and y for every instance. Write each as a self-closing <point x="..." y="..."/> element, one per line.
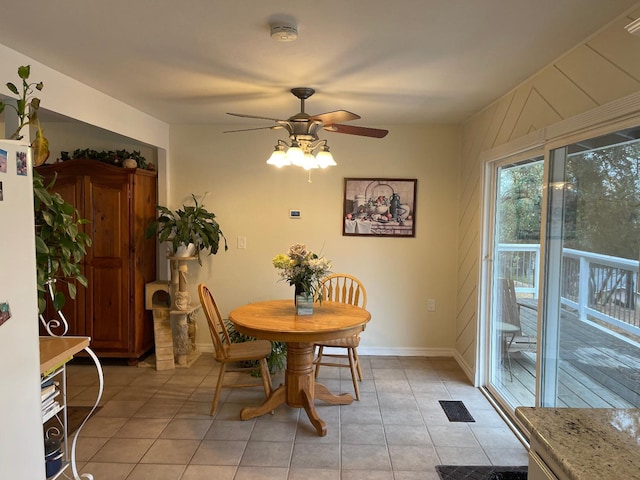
<point x="379" y="207"/>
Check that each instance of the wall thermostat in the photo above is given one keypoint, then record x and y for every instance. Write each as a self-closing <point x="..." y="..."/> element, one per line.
<point x="295" y="214"/>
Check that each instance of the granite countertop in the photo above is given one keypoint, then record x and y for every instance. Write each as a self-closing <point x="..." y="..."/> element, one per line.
<point x="588" y="443"/>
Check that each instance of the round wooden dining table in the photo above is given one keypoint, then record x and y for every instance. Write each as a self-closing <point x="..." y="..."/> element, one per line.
<point x="277" y="320"/>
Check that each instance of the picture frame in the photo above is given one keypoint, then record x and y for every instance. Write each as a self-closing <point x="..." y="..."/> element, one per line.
<point x="379" y="207"/>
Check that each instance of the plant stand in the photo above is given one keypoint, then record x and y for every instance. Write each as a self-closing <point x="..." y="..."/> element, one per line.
<point x="182" y="314"/>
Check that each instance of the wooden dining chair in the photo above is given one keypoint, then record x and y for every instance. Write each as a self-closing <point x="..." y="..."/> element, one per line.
<point x="227" y="352"/>
<point x="344" y="288"/>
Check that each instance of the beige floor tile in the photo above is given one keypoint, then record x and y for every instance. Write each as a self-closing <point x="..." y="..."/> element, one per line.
<point x="367" y="475"/>
<point x="192" y="381"/>
<point x="136" y="392"/>
<point x="322" y="456"/>
<point x="262" y="473"/>
<point x="157" y="472"/>
<point x="120" y="408"/>
<point x="452" y="435"/>
<point x="230" y="430"/>
<point x="407" y="435"/>
<point x="195" y="410"/>
<point x="110" y="470"/>
<point x="365" y="457"/>
<point x="102" y="426"/>
<point x="142" y="428"/>
<point x="360" y="415"/>
<point x="86" y="448"/>
<point x="407" y="475"/>
<point x="413" y="457"/>
<point x="155" y="408"/>
<point x="267" y="454"/>
<point x="496" y="437"/>
<point x="462" y="456"/>
<point x="313" y="473"/>
<point x="202" y="394"/>
<point x="274" y="431"/>
<point x="174" y="452"/>
<point x="219" y="452"/>
<point x="363" y="433"/>
<point x="126" y="450"/>
<point x="409" y="415"/>
<point x="507" y="456"/>
<point x="186" y="429"/>
<point x="208" y="472"/>
<point x="306" y="433"/>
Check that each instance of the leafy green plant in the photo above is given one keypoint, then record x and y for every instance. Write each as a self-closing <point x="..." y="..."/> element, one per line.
<point x="189" y="224"/>
<point x="26" y="108"/>
<point x="276" y="361"/>
<point x="113" y="157"/>
<point x="60" y="245"/>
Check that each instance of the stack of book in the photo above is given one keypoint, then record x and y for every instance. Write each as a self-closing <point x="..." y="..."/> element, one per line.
<point x="50" y="406"/>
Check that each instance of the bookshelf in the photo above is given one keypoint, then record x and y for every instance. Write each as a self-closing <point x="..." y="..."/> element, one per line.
<point x="55" y="352"/>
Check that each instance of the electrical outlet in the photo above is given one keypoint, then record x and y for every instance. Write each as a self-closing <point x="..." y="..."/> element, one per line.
<point x="431" y="305"/>
<point x="242" y="242"/>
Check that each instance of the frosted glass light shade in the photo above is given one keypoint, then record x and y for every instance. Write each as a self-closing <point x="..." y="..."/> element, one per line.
<point x="295" y="155"/>
<point x="278" y="158"/>
<point x="325" y="159"/>
<point x="309" y="161"/>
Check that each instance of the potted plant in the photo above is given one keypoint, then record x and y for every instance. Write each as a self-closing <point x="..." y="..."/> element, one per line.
<point x="189" y="225"/>
<point x="60" y="245"/>
<point x="26" y="108"/>
<point x="60" y="242"/>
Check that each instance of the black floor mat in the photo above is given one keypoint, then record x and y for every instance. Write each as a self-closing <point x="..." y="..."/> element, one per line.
<point x="456" y="411"/>
<point x="456" y="472"/>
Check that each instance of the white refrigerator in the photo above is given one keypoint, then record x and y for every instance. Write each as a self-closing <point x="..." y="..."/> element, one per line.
<point x="21" y="440"/>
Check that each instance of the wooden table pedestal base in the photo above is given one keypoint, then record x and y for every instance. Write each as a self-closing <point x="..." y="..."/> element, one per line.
<point x="299" y="389"/>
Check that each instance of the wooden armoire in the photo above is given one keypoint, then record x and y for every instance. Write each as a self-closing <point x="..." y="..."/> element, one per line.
<point x="119" y="204"/>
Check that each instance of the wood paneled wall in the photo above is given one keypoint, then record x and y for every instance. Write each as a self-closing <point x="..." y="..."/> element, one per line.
<point x="604" y="68"/>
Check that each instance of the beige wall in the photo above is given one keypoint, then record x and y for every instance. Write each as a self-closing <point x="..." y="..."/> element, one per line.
<point x="604" y="68"/>
<point x="253" y="200"/>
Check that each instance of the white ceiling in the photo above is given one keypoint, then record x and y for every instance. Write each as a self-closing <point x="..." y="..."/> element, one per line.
<point x="406" y="61"/>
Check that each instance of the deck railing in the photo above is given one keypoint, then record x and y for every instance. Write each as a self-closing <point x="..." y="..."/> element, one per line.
<point x="595" y="286"/>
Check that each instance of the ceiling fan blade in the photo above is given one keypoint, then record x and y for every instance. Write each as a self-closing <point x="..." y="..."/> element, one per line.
<point x="330" y="118"/>
<point x="272" y="127"/>
<point x="253" y="116"/>
<point x="353" y="130"/>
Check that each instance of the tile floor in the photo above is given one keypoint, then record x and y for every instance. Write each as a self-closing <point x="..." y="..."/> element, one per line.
<point x="156" y="425"/>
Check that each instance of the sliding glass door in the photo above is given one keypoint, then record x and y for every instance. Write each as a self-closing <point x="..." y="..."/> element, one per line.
<point x="591" y="335"/>
<point x="514" y="280"/>
<point x="563" y="315"/>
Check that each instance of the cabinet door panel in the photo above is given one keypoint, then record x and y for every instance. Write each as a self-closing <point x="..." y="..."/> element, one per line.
<point x="106" y="199"/>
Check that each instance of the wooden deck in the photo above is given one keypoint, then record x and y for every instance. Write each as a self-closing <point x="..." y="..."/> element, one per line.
<point x="596" y="369"/>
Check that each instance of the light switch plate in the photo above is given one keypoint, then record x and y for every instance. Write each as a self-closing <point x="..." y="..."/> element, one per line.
<point x="295" y="214"/>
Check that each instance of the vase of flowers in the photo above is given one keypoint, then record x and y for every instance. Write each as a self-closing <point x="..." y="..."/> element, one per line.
<point x="303" y="269"/>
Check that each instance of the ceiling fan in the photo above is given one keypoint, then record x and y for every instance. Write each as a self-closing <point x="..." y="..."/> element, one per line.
<point x="303" y="133"/>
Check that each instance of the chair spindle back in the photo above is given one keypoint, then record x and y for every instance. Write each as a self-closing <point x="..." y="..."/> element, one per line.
<point x="217" y="328"/>
<point x="344" y="288"/>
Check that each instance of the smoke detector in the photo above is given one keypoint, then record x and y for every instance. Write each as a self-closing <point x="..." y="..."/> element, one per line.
<point x="284" y="33"/>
